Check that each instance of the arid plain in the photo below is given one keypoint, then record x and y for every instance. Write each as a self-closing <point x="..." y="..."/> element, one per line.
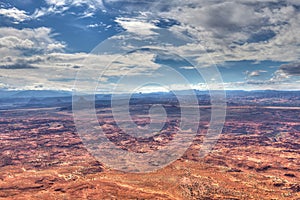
<point x="256" y="157"/>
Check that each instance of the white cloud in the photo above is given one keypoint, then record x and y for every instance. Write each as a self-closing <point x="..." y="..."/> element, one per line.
<point x="96" y="25"/>
<point x="93" y="4"/>
<point x="58" y="70"/>
<point x="61" y="6"/>
<point x="137" y="26"/>
<point x="25" y="56"/>
<point x="56" y="2"/>
<point x="15" y="42"/>
<point x="14" y="13"/>
<point x="255" y="73"/>
<point x="188" y="67"/>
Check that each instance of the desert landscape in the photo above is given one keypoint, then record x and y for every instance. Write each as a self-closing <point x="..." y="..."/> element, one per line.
<point x="256" y="157"/>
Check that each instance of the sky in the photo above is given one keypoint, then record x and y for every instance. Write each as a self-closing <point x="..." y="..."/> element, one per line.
<point x="126" y="45"/>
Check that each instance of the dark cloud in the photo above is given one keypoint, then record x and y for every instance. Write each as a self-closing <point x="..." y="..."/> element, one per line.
<point x="62" y="79"/>
<point x="18" y="66"/>
<point x="291" y="69"/>
<point x="135" y="6"/>
<point x="38" y="86"/>
<point x="252" y="82"/>
<point x="31" y="60"/>
<point x="261" y="35"/>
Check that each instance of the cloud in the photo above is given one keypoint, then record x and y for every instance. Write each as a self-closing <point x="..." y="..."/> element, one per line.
<point x="229" y="31"/>
<point x="27" y="58"/>
<point x="16" y="42"/>
<point x="188" y="67"/>
<point x="279" y="81"/>
<point x="91" y="3"/>
<point x="137" y="26"/>
<point x="255" y="73"/>
<point x="44" y="11"/>
<point x="221" y="18"/>
<point x="61" y="6"/>
<point x="15" y="14"/>
<point x="239" y="30"/>
<point x="58" y="70"/>
<point x="100" y="24"/>
<point x="226" y="31"/>
<point x="57" y="3"/>
<point x="291" y="69"/>
<point x="18" y="66"/>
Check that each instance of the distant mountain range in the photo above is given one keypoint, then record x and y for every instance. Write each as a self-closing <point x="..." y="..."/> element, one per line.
<point x="51" y="98"/>
<point x="53" y="93"/>
<point x="34" y="93"/>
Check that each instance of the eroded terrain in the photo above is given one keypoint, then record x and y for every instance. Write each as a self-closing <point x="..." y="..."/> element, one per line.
<point x="256" y="157"/>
